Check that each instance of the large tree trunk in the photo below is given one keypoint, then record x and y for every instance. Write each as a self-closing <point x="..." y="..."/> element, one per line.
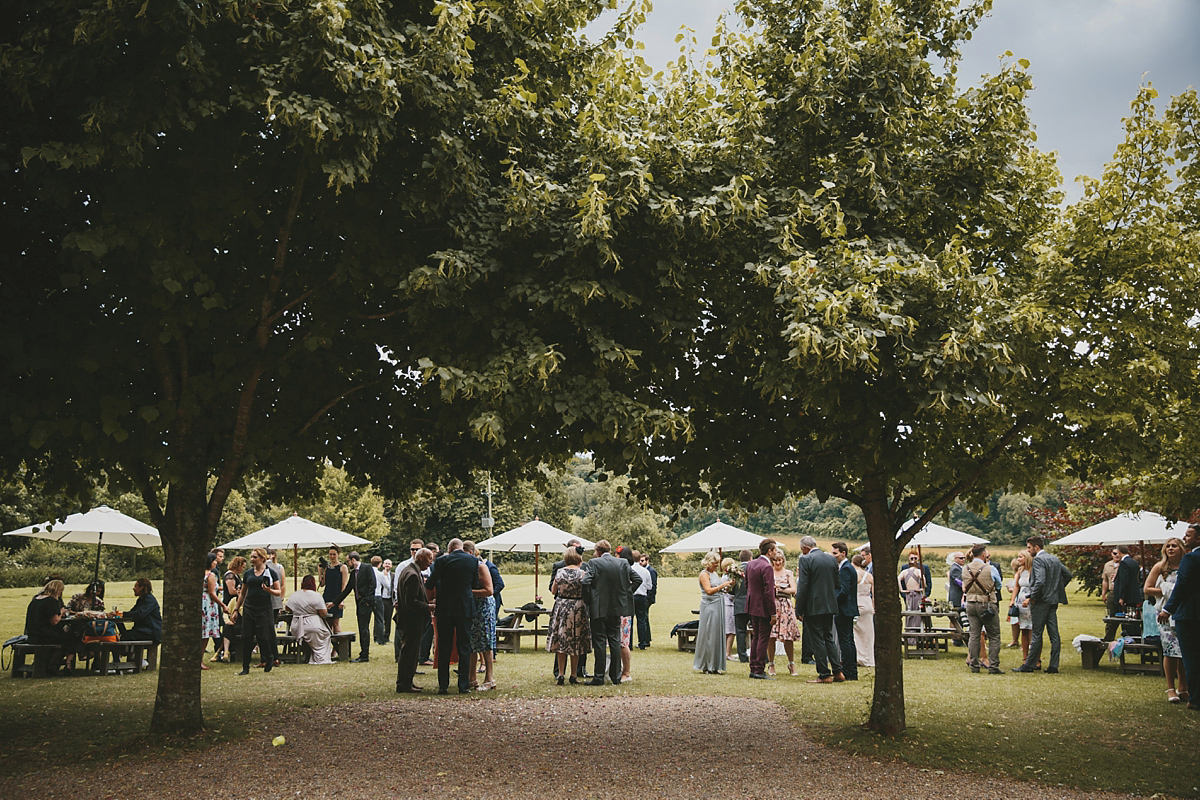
<point x="185" y="537"/>
<point x="887" y="706"/>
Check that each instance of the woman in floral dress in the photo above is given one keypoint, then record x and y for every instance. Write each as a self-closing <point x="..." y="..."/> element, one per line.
<point x="1160" y="583"/>
<point x="786" y="628"/>
<point x="210" y="611"/>
<point x="570" y="626"/>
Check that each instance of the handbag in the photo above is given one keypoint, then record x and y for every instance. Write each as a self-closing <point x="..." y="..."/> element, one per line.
<point x="1013" y="611"/>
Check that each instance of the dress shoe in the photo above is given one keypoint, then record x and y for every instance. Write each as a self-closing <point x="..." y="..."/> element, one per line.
<point x="426" y="663"/>
<point x="595" y="682"/>
<point x="1022" y="668"/>
<point x="244" y="672"/>
<point x="827" y="679"/>
<point x="839" y="678"/>
<point x="1052" y="671"/>
<point x="443" y="691"/>
<point x="360" y="660"/>
<point x="975" y="669"/>
<point x="465" y="691"/>
<point x="995" y="671"/>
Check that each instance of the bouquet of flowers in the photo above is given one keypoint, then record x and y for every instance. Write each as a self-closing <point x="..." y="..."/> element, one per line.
<point x="731" y="571"/>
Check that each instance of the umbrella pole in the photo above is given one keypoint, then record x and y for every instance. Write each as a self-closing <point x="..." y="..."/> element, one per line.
<point x="536" y="563"/>
<point x="96" y="573"/>
<point x="295" y="564"/>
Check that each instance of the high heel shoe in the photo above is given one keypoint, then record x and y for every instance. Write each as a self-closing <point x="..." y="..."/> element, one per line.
<point x="771" y="668"/>
<point x="561" y="680"/>
<point x="792" y="669"/>
<point x="573" y="680"/>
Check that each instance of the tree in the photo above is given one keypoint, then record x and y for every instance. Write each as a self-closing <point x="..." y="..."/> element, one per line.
<point x="255" y="238"/>
<point x="892" y="313"/>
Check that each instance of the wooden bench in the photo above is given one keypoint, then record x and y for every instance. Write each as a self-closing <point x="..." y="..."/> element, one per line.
<point x="685" y="639"/>
<point x="43" y="656"/>
<point x="341" y="644"/>
<point x="927" y="644"/>
<point x="1091" y="652"/>
<point x="292" y="650"/>
<point x="508" y="640"/>
<point x="1148" y="658"/>
<point x="107" y="659"/>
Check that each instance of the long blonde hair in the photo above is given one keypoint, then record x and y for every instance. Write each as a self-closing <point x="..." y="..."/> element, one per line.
<point x="1162" y="562"/>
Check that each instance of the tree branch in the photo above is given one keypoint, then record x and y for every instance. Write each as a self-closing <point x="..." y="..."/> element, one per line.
<point x="325" y="408"/>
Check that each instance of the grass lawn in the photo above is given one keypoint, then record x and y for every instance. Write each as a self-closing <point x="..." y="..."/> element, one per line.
<point x="1081" y="728"/>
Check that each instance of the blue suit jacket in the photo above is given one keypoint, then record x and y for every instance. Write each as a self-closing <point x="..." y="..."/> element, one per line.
<point x="847" y="591"/>
<point x="1185" y="600"/>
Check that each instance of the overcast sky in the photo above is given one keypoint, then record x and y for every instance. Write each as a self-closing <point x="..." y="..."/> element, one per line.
<point x="1088" y="59"/>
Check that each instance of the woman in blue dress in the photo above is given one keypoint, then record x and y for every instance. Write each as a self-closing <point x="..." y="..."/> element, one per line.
<point x="483" y="624"/>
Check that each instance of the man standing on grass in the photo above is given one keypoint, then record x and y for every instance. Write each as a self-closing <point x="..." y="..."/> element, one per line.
<point x="1108" y="578"/>
<point x="362" y="583"/>
<point x="610" y="583"/>
<point x="412" y="615"/>
<point x="816" y="604"/>
<point x="1047" y="589"/>
<point x="1128" y="588"/>
<point x="980" y="579"/>
<point x="847" y="610"/>
<point x="450" y="580"/>
<point x="641" y="600"/>
<point x="760" y="605"/>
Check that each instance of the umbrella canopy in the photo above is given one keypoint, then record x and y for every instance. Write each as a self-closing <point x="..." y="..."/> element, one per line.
<point x="934" y="535"/>
<point x="718" y="536"/>
<point x="531" y="537"/>
<point x="100" y="526"/>
<point x="1145" y="526"/>
<point x="297" y="533"/>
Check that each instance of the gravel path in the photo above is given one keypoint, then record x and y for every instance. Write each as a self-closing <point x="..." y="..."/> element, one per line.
<point x="619" y="747"/>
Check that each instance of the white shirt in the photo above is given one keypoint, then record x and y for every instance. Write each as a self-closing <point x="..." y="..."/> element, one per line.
<point x="379" y="579"/>
<point x="646" y="579"/>
<point x="387" y="581"/>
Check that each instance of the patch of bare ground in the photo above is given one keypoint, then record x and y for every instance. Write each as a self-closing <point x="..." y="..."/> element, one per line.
<point x="585" y="747"/>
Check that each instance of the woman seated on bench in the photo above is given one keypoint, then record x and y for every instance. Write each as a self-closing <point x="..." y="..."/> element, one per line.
<point x="308" y="620"/>
<point x="44" y="625"/>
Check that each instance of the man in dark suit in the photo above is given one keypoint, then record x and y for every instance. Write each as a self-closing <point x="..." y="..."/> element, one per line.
<point x="610" y="584"/>
<point x="816" y="604"/>
<point x="1047" y="590"/>
<point x="412" y="615"/>
<point x="573" y="544"/>
<point x="760" y="605"/>
<point x="362" y="583"/>
<point x="847" y="610"/>
<point x="1184" y="608"/>
<point x="741" y="619"/>
<point x="450" y="582"/>
<point x="1128" y="587"/>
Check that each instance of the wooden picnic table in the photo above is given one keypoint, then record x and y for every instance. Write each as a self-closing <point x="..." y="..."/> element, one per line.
<point x="512" y="635"/>
<point x="930" y="640"/>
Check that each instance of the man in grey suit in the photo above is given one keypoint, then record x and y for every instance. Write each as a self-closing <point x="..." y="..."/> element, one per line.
<point x="1047" y="588"/>
<point x="610" y="584"/>
<point x="816" y="604"/>
<point x="412" y="615"/>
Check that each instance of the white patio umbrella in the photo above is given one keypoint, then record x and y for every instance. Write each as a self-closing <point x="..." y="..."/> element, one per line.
<point x="531" y="538"/>
<point x="1144" y="527"/>
<point x="718" y="536"/>
<point x="296" y="533"/>
<point x="100" y="526"/>
<point x="934" y="535"/>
